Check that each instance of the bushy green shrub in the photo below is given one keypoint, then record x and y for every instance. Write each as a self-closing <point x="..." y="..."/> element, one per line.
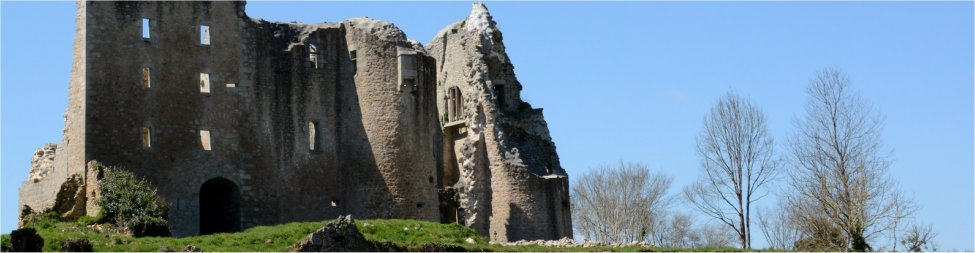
<point x="5" y="243"/>
<point x="133" y="204"/>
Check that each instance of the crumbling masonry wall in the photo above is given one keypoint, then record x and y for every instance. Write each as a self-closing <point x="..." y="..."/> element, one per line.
<point x="510" y="178"/>
<point x="306" y="122"/>
<point x="40" y="191"/>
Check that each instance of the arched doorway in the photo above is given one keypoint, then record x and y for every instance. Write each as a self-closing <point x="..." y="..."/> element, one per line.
<point x="219" y="206"/>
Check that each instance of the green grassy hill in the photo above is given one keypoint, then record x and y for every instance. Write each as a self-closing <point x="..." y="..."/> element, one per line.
<point x="406" y="235"/>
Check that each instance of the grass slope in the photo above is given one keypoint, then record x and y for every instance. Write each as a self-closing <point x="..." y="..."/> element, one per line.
<point x="410" y="235"/>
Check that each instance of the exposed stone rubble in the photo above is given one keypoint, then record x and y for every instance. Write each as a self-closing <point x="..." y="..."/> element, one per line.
<point x="76" y="245"/>
<point x="568" y="242"/>
<point x="338" y="235"/>
<point x="72" y="200"/>
<point x="25" y="213"/>
<point x="42" y="163"/>
<point x="188" y="248"/>
<point x="76" y="195"/>
<point x="384" y="30"/>
<point x="192" y="248"/>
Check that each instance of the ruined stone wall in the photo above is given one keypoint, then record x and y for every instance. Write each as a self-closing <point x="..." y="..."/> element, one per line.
<point x="465" y="149"/>
<point x="70" y="153"/>
<point x="266" y="97"/>
<point x="400" y="125"/>
<point x="306" y="121"/>
<point x="287" y="94"/>
<point x="512" y="186"/>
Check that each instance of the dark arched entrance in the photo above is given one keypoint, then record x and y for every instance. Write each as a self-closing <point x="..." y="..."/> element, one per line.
<point x="219" y="206"/>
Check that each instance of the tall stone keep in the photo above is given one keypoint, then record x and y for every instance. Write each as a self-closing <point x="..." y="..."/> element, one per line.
<point x="500" y="161"/>
<point x="241" y="122"/>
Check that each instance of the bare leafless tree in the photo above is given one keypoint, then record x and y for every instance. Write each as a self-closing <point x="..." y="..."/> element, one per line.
<point x="839" y="170"/>
<point x="618" y="203"/>
<point x="678" y="231"/>
<point x="660" y="228"/>
<point x="737" y="161"/>
<point x="716" y="236"/>
<point x="920" y="238"/>
<point x="780" y="230"/>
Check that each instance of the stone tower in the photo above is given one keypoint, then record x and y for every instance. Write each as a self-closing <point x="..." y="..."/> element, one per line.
<point x="500" y="161"/>
<point x="242" y="122"/>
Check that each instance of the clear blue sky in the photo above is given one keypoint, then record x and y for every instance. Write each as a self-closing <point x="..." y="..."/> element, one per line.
<point x="630" y="80"/>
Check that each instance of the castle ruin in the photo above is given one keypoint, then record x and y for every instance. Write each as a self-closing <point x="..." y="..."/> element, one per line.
<point x="242" y="122"/>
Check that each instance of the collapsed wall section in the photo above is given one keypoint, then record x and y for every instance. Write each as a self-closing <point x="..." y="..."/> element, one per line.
<point x="498" y="155"/>
<point x="67" y="158"/>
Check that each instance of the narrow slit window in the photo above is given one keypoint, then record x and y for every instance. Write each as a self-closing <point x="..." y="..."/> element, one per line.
<point x="231" y="85"/>
<point x="353" y="56"/>
<point x="313" y="56"/>
<point x="205" y="139"/>
<point x="204" y="35"/>
<point x="146" y="137"/>
<point x="204" y="82"/>
<point x="499" y="92"/>
<point x="146" y="77"/>
<point x="145" y="28"/>
<point x="314" y="136"/>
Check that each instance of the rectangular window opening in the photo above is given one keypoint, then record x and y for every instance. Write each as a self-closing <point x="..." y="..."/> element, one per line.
<point x="205" y="139"/>
<point x="353" y="56"/>
<point x="455" y="104"/>
<point x="146" y="77"/>
<point x="407" y="71"/>
<point x="407" y="68"/>
<point x="313" y="55"/>
<point x="204" y="35"/>
<point x="145" y="28"/>
<point x="231" y="85"/>
<point x="314" y="136"/>
<point x="147" y="137"/>
<point x="204" y="82"/>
